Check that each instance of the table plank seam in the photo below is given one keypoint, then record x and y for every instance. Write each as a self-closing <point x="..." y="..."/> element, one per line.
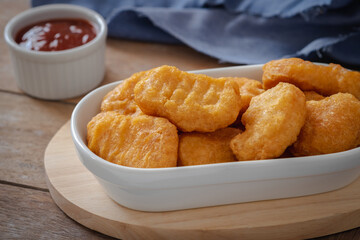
<point x="25" y="95"/>
<point x="23" y="186"/>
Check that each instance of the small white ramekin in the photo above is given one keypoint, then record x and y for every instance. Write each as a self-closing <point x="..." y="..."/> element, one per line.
<point x="59" y="74"/>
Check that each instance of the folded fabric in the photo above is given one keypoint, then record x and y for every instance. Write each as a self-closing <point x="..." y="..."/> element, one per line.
<point x="243" y="32"/>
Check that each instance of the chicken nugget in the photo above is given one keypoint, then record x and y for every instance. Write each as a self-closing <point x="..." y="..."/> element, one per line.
<point x="193" y="102"/>
<point x="312" y="95"/>
<point x="121" y="98"/>
<point x="272" y="121"/>
<point x="331" y="125"/>
<point x="307" y="76"/>
<point x="205" y="148"/>
<point x="134" y="141"/>
<point x="248" y="89"/>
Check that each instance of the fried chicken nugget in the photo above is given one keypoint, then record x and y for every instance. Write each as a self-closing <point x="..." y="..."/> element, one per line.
<point x="121" y="98"/>
<point x="193" y="102"/>
<point x="205" y="148"/>
<point x="326" y="80"/>
<point x="272" y="121"/>
<point x="331" y="125"/>
<point x="312" y="95"/>
<point x="133" y="141"/>
<point x="248" y="89"/>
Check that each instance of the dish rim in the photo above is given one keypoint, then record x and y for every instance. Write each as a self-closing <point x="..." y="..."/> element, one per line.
<point x="283" y="162"/>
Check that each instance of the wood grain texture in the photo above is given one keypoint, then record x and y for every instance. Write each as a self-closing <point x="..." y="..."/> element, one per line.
<point x="8" y="9"/>
<point x="31" y="214"/>
<point x="78" y="194"/>
<point x="26" y="127"/>
<point x="347" y="235"/>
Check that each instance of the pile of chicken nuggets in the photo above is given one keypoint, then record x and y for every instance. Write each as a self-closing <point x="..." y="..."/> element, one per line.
<point x="165" y="117"/>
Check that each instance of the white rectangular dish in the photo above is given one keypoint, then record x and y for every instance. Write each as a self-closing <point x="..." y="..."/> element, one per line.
<point x="165" y="189"/>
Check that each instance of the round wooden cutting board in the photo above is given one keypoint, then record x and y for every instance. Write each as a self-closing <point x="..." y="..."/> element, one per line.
<point x="76" y="191"/>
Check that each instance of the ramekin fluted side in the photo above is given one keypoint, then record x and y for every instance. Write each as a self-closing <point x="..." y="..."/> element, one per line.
<point x="57" y="74"/>
<point x="59" y="80"/>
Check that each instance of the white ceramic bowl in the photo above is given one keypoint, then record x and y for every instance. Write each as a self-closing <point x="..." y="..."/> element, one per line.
<point x="59" y="74"/>
<point x="165" y="189"/>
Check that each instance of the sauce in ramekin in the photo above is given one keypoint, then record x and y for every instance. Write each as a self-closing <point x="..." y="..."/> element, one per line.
<point x="55" y="35"/>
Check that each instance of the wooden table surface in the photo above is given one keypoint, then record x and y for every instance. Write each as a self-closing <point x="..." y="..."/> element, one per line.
<point x="27" y="125"/>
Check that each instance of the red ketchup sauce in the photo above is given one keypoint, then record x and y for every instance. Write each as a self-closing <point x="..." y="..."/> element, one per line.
<point x="55" y="35"/>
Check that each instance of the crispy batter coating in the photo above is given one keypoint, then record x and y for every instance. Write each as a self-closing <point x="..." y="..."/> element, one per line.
<point x="133" y="141"/>
<point x="307" y="76"/>
<point x="206" y="148"/>
<point x="193" y="102"/>
<point x="331" y="125"/>
<point x="121" y="98"/>
<point x="248" y="89"/>
<point x="312" y="95"/>
<point x="272" y="121"/>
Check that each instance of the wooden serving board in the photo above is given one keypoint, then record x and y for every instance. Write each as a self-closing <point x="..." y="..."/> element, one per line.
<point x="76" y="191"/>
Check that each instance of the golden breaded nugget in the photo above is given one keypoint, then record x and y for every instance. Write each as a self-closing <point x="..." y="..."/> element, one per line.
<point x="326" y="80"/>
<point x="331" y="125"/>
<point x="312" y="95"/>
<point x="272" y="121"/>
<point x="133" y="141"/>
<point x="248" y="89"/>
<point x="121" y="98"/>
<point x="206" y="148"/>
<point x="193" y="102"/>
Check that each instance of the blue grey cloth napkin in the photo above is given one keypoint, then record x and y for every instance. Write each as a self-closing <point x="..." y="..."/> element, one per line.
<point x="242" y="32"/>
